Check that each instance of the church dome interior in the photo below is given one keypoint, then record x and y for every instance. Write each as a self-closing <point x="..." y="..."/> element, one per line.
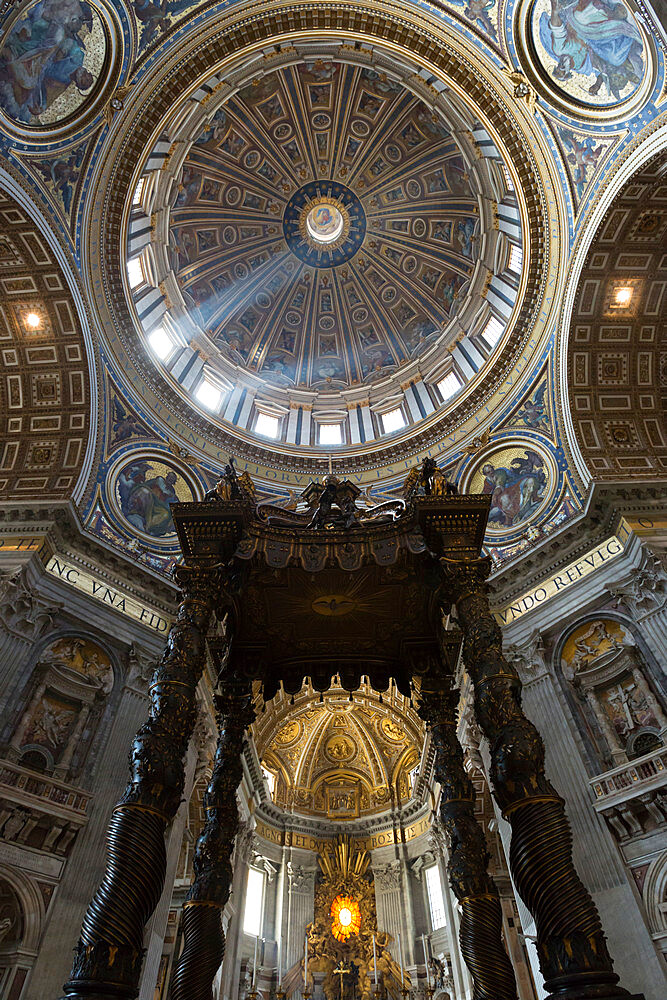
<point x="320" y="233"/>
<point x="333" y="463"/>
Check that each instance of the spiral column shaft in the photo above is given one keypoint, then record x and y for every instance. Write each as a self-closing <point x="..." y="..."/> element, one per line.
<point x="108" y="956"/>
<point x="571" y="945"/>
<point x="203" y="937"/>
<point x="481" y="913"/>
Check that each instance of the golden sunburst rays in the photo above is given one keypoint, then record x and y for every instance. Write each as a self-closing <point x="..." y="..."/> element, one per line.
<point x="341" y="859"/>
<point x="345" y="917"/>
<point x="350" y="600"/>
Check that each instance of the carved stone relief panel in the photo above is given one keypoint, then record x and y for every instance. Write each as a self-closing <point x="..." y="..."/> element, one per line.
<point x="605" y="670"/>
<point x="70" y="685"/>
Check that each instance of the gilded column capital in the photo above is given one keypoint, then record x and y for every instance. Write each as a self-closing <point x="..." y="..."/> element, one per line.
<point x="464" y="577"/>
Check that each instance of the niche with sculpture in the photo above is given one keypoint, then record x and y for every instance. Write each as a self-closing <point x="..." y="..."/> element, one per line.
<point x="11" y="919"/>
<point x="71" y="682"/>
<point x="623" y="715"/>
<point x="12" y="945"/>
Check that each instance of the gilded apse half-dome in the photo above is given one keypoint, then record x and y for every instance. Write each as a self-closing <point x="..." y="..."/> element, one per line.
<point x="323" y="254"/>
<point x="337" y="758"/>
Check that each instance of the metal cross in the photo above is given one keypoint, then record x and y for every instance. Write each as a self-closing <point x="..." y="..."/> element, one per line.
<point x="341" y="970"/>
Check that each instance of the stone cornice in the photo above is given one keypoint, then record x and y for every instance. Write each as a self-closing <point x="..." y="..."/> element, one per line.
<point x="61" y="528"/>
<point x="606" y="504"/>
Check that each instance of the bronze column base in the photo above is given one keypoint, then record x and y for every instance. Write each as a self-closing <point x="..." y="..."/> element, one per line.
<point x="481" y="913"/>
<point x="203" y="937"/>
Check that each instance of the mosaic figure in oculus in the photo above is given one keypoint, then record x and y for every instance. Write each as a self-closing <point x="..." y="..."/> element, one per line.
<point x="145" y="491"/>
<point x="592" y="48"/>
<point x="51" y="60"/>
<point x="517" y="480"/>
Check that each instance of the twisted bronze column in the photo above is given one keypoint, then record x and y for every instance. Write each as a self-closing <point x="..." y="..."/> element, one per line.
<point x="571" y="945"/>
<point x="109" y="954"/>
<point x="204" y="940"/>
<point x="481" y="913"/>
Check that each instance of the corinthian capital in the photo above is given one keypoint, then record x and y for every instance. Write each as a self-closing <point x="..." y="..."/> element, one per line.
<point x="462" y="577"/>
<point x="198" y="583"/>
<point x="645" y="590"/>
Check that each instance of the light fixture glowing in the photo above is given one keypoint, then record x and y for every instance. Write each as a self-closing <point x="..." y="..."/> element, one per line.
<point x="208" y="395"/>
<point x="623" y="296"/>
<point x="324" y="222"/>
<point x="33" y="320"/>
<point x="161" y="344"/>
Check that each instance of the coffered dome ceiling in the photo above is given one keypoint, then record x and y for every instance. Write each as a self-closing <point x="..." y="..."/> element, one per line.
<point x="294" y="301"/>
<point x="323" y="253"/>
<point x="337" y="758"/>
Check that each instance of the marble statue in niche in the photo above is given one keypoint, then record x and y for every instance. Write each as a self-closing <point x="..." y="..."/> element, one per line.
<point x="593" y="49"/>
<point x="623" y="714"/>
<point x="50" y="724"/>
<point x="72" y="680"/>
<point x="51" y="60"/>
<point x="11" y="916"/>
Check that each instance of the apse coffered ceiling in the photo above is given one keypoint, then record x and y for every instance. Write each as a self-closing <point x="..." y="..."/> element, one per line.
<point x="339" y="758"/>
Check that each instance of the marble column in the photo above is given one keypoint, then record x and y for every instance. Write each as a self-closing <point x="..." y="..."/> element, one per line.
<point x="109" y="954"/>
<point x="63" y="764"/>
<point x="17" y="738"/>
<point x="572" y="947"/>
<point x="610" y="735"/>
